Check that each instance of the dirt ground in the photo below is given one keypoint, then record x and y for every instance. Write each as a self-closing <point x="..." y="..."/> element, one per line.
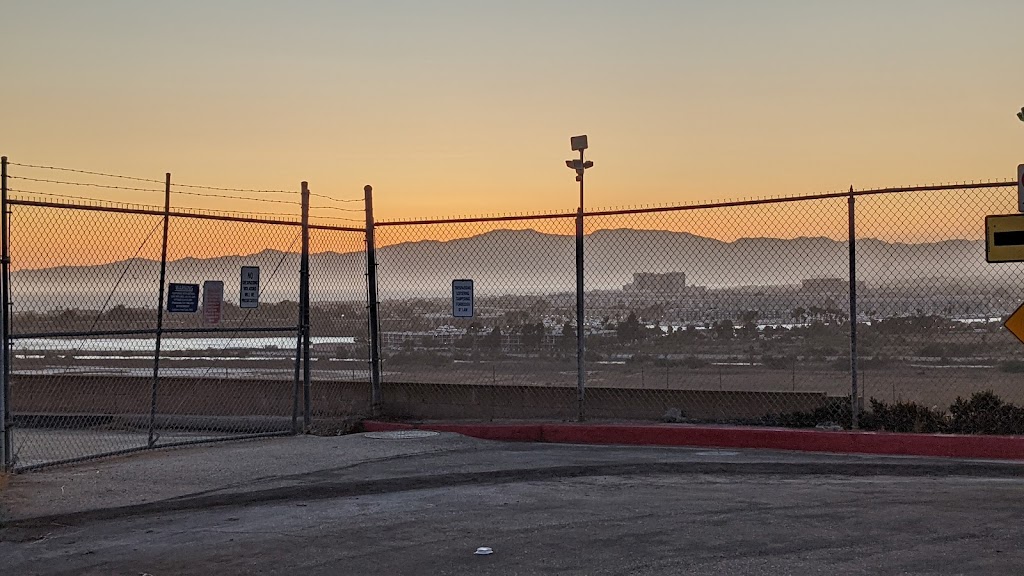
<point x="932" y="386"/>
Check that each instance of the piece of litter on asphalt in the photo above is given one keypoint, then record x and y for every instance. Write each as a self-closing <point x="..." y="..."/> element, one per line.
<point x="483" y="551"/>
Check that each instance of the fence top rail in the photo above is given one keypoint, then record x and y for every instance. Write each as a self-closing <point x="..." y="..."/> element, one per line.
<point x="286" y="220"/>
<point x="704" y="205"/>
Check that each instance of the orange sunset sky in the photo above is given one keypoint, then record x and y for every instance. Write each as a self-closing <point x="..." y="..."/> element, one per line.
<point x="466" y="107"/>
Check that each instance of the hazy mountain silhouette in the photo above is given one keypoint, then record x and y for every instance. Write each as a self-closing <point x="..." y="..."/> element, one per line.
<point x="519" y="261"/>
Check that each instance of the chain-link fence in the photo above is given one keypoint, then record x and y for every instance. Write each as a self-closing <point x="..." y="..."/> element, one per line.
<point x="516" y="357"/>
<point x="338" y="317"/>
<point x="931" y="309"/>
<point x="129" y="326"/>
<point x="735" y="312"/>
<point x="703" y="314"/>
<point x="871" y="308"/>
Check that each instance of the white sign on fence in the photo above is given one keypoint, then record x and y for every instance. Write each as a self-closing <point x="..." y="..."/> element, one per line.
<point x="462" y="298"/>
<point x="249" y="287"/>
<point x="213" y="301"/>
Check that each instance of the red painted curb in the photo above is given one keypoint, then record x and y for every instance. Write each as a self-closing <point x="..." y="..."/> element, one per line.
<point x="883" y="443"/>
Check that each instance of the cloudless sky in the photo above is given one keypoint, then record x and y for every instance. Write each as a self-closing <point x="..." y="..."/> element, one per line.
<point x="465" y="107"/>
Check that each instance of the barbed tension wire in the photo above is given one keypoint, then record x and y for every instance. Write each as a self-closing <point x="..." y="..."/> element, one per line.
<point x="174" y="185"/>
<point x="333" y="199"/>
<point x="225" y="196"/>
<point x="199" y="194"/>
<point x="86" y="184"/>
<point x="243" y="190"/>
<point x="85" y="172"/>
<point x="37" y="193"/>
<point x="71" y="197"/>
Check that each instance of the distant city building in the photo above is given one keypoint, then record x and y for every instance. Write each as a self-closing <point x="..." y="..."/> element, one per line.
<point x="657" y="283"/>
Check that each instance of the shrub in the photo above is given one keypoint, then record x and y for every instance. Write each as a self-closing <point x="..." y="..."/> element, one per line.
<point x="904" y="417"/>
<point x="985" y="413"/>
<point x="835" y="411"/>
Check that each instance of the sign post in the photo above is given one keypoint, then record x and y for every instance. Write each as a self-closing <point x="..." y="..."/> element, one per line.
<point x="213" y="301"/>
<point x="462" y="298"/>
<point x="182" y="297"/>
<point x="1020" y="187"/>
<point x="249" y="287"/>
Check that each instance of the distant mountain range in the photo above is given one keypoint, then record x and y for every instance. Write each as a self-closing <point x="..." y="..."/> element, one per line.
<point x="520" y="262"/>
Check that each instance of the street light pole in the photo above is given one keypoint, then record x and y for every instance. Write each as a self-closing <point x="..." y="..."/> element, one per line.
<point x="580" y="178"/>
<point x="579" y="143"/>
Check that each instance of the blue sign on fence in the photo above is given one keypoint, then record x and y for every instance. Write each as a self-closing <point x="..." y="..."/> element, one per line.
<point x="182" y="297"/>
<point x="462" y="298"/>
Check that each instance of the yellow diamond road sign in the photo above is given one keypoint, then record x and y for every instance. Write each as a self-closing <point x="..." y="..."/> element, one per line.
<point x="1015" y="323"/>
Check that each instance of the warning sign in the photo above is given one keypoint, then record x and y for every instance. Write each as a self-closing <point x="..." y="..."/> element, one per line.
<point x="213" y="301"/>
<point x="249" y="295"/>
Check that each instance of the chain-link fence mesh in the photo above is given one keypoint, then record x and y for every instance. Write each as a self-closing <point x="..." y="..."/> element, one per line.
<point x="932" y="310"/>
<point x="516" y="357"/>
<point x="233" y="374"/>
<point x="736" y="312"/>
<point x="77" y="274"/>
<point x="732" y="313"/>
<point x="726" y="314"/>
<point x="84" y="332"/>
<point x="340" y="370"/>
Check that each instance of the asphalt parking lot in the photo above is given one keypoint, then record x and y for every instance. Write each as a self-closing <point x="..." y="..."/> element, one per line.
<point x="424" y="505"/>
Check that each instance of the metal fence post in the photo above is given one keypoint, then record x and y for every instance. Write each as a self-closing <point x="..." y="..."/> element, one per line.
<point x="307" y="415"/>
<point x="6" y="457"/>
<point x="296" y="390"/>
<point x="160" y="312"/>
<point x="580" y="341"/>
<point x="376" y="394"/>
<point x="854" y="400"/>
<point x="297" y="383"/>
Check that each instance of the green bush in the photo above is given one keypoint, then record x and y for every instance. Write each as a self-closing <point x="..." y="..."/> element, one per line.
<point x="903" y="417"/>
<point x="835" y="411"/>
<point x="985" y="413"/>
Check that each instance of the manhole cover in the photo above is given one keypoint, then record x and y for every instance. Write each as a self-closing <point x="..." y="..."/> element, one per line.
<point x="400" y="434"/>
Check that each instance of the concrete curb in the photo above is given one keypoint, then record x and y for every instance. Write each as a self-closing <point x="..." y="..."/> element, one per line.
<point x="839" y="442"/>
